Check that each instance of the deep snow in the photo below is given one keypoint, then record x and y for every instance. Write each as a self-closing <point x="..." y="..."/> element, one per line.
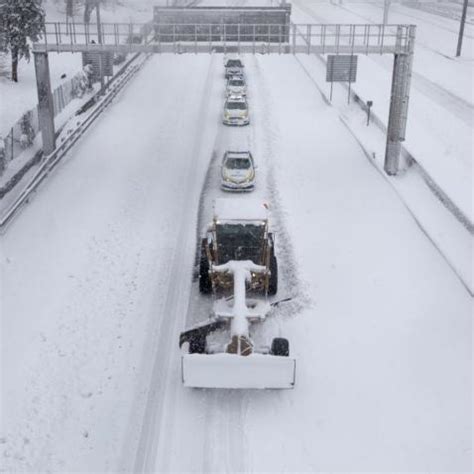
<point x="97" y="278"/>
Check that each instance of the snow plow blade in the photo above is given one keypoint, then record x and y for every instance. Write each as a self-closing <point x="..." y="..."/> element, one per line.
<point x="258" y="371"/>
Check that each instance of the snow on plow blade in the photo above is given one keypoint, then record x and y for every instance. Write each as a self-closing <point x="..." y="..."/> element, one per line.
<point x="232" y="371"/>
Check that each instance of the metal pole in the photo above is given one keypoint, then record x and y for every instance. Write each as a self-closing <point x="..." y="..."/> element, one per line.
<point x="399" y="99"/>
<point x="99" y="37"/>
<point x="386" y="7"/>
<point x="461" y="29"/>
<point x="45" y="102"/>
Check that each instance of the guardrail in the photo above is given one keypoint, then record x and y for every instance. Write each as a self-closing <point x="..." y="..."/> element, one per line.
<point x="54" y="158"/>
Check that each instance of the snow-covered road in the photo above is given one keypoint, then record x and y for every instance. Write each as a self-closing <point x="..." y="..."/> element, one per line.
<point x="87" y="268"/>
<point x="441" y="110"/>
<point x="97" y="279"/>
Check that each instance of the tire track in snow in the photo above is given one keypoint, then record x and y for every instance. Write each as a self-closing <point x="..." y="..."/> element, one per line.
<point x="156" y="425"/>
<point x="459" y="107"/>
<point x="269" y="134"/>
<point x="226" y="446"/>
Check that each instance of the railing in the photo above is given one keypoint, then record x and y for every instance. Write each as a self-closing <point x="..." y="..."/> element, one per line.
<point x="24" y="131"/>
<point x="202" y="38"/>
<point x="51" y="161"/>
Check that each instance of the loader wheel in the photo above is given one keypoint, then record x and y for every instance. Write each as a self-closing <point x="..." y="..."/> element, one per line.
<point x="197" y="345"/>
<point x="280" y="347"/>
<point x="273" y="281"/>
<point x="205" y="284"/>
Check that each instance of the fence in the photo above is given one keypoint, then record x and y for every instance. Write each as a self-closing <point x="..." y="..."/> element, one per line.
<point x="23" y="133"/>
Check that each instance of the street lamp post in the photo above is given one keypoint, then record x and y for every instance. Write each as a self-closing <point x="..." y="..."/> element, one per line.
<point x="461" y="29"/>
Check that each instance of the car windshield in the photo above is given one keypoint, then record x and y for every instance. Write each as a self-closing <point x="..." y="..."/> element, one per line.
<point x="236" y="106"/>
<point x="237" y="163"/>
<point x="236" y="82"/>
<point x="240" y="242"/>
<point x="234" y="63"/>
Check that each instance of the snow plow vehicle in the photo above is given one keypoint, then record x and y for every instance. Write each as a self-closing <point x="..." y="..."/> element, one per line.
<point x="239" y="231"/>
<point x="233" y="360"/>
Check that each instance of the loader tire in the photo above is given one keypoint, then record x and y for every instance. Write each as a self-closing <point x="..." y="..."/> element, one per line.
<point x="205" y="284"/>
<point x="280" y="347"/>
<point x="273" y="280"/>
<point x="197" y="345"/>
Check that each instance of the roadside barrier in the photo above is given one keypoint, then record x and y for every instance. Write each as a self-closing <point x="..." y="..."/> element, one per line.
<point x="99" y="104"/>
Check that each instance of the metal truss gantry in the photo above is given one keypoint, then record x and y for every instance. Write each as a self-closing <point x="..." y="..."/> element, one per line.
<point x="202" y="38"/>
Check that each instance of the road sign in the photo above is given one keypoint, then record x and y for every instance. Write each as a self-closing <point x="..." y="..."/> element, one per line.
<point x="94" y="57"/>
<point x="341" y="68"/>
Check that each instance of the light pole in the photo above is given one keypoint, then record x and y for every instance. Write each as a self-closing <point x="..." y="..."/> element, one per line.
<point x="386" y="7"/>
<point x="461" y="29"/>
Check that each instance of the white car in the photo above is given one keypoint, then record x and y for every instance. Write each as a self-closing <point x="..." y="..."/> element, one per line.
<point x="238" y="171"/>
<point x="236" y="111"/>
<point x="236" y="86"/>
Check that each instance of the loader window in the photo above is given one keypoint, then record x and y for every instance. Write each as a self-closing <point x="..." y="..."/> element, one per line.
<point x="240" y="242"/>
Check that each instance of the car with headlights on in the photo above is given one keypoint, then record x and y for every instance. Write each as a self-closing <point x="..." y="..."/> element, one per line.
<point x="238" y="171"/>
<point x="236" y="111"/>
<point x="236" y="86"/>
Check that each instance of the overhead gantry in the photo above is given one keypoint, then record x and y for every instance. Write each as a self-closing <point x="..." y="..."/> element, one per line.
<point x="249" y="30"/>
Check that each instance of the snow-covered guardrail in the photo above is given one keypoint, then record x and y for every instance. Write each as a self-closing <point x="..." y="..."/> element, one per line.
<point x="50" y="161"/>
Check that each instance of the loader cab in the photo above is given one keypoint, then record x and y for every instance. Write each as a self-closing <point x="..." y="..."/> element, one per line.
<point x="240" y="240"/>
<point x="239" y="231"/>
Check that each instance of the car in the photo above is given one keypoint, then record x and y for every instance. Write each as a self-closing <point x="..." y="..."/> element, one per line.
<point x="239" y="231"/>
<point x="233" y="67"/>
<point x="238" y="171"/>
<point x="236" y="86"/>
<point x="236" y="111"/>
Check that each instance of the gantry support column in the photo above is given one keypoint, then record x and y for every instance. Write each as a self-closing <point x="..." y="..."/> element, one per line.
<point x="399" y="98"/>
<point x="45" y="102"/>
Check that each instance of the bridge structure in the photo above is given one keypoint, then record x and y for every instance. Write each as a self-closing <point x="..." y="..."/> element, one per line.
<point x="205" y="30"/>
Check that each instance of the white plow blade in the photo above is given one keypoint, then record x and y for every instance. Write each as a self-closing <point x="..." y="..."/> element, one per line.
<point x="233" y="371"/>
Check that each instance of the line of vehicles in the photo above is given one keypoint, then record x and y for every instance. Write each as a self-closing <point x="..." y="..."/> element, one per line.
<point x="239" y="268"/>
<point x="238" y="167"/>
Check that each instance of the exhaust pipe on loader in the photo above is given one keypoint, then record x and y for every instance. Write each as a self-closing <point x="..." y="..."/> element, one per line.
<point x="238" y="365"/>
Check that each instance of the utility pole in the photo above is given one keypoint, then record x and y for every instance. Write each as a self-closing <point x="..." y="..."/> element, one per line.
<point x="386" y="7"/>
<point x="461" y="29"/>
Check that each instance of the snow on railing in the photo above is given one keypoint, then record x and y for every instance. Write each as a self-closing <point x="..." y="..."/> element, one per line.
<point x="50" y="161"/>
<point x="205" y="37"/>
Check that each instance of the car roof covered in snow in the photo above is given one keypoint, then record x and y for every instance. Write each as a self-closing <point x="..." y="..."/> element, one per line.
<point x="237" y="154"/>
<point x="240" y="210"/>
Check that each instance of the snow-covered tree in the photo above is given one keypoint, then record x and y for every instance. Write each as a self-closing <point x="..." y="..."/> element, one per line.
<point x="21" y="21"/>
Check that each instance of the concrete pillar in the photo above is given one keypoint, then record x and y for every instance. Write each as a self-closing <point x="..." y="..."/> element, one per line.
<point x="45" y="102"/>
<point x="398" y="113"/>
